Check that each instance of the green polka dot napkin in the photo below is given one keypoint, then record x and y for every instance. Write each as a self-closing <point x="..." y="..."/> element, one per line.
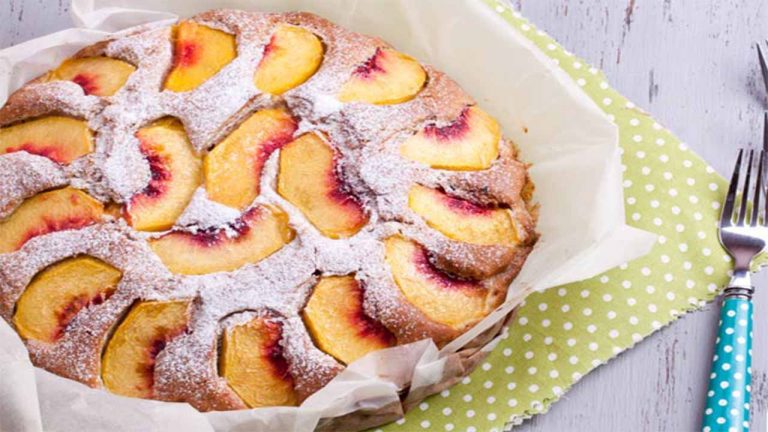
<point x="562" y="334"/>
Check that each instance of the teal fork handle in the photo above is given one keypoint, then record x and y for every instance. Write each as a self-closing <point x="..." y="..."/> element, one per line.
<point x="730" y="379"/>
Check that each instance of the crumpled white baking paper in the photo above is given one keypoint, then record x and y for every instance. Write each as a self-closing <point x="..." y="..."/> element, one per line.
<point x="576" y="168"/>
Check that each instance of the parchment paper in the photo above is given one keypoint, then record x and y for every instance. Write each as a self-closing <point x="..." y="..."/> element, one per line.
<point x="576" y="169"/>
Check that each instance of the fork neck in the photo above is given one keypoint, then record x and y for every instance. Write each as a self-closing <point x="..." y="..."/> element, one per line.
<point x="740" y="284"/>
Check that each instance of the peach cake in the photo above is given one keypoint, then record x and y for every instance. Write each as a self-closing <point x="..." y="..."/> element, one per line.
<point x="228" y="211"/>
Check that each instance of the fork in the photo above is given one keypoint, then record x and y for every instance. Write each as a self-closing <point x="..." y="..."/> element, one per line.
<point x="744" y="236"/>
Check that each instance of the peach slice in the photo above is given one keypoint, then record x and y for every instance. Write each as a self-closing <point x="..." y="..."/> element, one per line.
<point x="59" y="292"/>
<point x="470" y="142"/>
<point x="462" y="220"/>
<point x="60" y="139"/>
<point x="308" y="180"/>
<point x="338" y="323"/>
<point x="200" y="52"/>
<point x="56" y="210"/>
<point x="175" y="170"/>
<point x="128" y="363"/>
<point x="259" y="233"/>
<point x="292" y="55"/>
<point x="254" y="366"/>
<point x="98" y="76"/>
<point x="444" y="299"/>
<point x="233" y="168"/>
<point x="388" y="77"/>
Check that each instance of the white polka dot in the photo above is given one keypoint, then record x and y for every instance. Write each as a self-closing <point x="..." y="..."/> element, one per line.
<point x="726" y="366"/>
<point x="593" y="346"/>
<point x="607" y="101"/>
<point x="634" y="122"/>
<point x="511" y="386"/>
<point x="423" y="406"/>
<point x="571" y="342"/>
<point x="650" y="289"/>
<point x="449" y="426"/>
<point x="722" y="402"/>
<point x="532" y="370"/>
<point x="533" y="388"/>
<point x="529" y="355"/>
<point x="509" y="370"/>
<point x="631" y="301"/>
<point x="562" y="292"/>
<point x="584" y="293"/>
<point x="470" y="413"/>
<point x="591" y="328"/>
<point x="512" y="402"/>
<point x="587" y="311"/>
<point x="488" y="384"/>
<point x="724" y="384"/>
<point x="573" y="360"/>
<point x="542" y="307"/>
<point x="565" y="307"/>
<point x="633" y="320"/>
<point x="607" y="297"/>
<point x="425" y="424"/>
<point x="447" y="411"/>
<point x="467" y="398"/>
<point x="567" y="325"/>
<point x="548" y="340"/>
<point x="611" y="315"/>
<point x="553" y="374"/>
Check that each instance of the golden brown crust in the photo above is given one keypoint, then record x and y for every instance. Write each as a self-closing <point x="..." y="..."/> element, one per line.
<point x="186" y="369"/>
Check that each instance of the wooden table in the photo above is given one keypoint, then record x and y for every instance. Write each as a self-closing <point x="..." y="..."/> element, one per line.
<point x="692" y="63"/>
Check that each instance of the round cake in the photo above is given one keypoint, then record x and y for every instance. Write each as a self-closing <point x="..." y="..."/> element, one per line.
<point x="228" y="211"/>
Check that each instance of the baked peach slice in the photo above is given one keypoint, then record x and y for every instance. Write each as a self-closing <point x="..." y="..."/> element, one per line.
<point x="200" y="52"/>
<point x="59" y="292"/>
<point x="470" y="142"/>
<point x="254" y="366"/>
<point x="292" y="55"/>
<point x="462" y="220"/>
<point x="47" y="212"/>
<point x="442" y="298"/>
<point x="338" y="323"/>
<point x="60" y="139"/>
<point x="98" y="76"/>
<point x="308" y="180"/>
<point x="128" y="362"/>
<point x="233" y="168"/>
<point x="175" y="173"/>
<point x="387" y="77"/>
<point x="257" y="234"/>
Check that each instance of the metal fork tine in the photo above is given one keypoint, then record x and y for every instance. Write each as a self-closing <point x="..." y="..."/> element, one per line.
<point x="745" y="191"/>
<point x="758" y="191"/>
<point x="765" y="131"/>
<point x="726" y="217"/>
<point x="763" y="65"/>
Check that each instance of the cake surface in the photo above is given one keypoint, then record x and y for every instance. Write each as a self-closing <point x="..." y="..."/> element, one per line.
<point x="228" y="211"/>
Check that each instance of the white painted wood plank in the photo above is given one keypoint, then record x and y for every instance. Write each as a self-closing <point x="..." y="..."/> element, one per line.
<point x="692" y="64"/>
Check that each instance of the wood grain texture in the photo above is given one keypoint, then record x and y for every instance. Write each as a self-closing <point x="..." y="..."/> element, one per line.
<point x="692" y="63"/>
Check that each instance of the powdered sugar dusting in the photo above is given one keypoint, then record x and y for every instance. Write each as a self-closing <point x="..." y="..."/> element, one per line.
<point x="365" y="136"/>
<point x="204" y="213"/>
